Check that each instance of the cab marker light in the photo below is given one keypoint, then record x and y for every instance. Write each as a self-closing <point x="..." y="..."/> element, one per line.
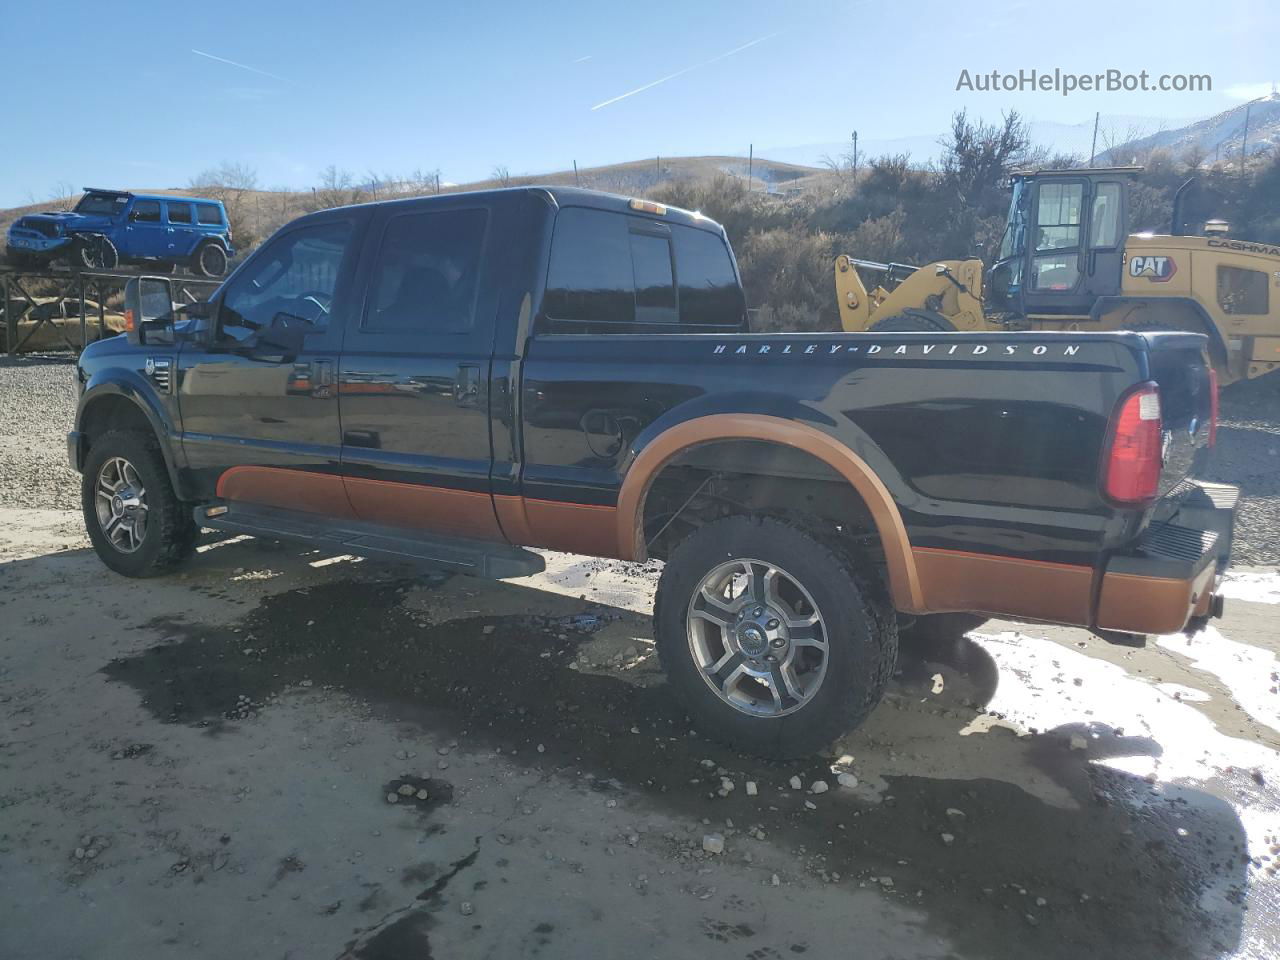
<point x="648" y="206"/>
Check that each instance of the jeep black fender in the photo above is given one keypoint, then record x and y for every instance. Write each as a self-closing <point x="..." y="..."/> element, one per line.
<point x="102" y="407"/>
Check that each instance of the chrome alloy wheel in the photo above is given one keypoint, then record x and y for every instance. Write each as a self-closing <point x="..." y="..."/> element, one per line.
<point x="757" y="637"/>
<point x="121" y="504"/>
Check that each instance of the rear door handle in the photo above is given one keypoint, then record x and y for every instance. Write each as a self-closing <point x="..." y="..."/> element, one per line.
<point x="466" y="385"/>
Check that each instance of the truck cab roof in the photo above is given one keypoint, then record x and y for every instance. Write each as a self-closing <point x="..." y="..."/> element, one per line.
<point x="555" y="196"/>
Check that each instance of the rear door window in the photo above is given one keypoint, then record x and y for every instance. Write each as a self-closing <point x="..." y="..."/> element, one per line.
<point x="427" y="273"/>
<point x="179" y="212"/>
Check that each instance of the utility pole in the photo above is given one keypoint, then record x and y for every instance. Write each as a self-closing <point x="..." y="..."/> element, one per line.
<point x="1093" y="150"/>
<point x="576" y="181"/>
<point x="751" y="164"/>
<point x="1244" y="140"/>
<point x="855" y="156"/>
<point x="657" y="169"/>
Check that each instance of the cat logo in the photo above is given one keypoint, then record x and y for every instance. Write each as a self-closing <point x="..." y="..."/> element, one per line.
<point x="1155" y="269"/>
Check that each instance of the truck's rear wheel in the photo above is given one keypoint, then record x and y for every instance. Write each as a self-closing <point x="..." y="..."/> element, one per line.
<point x="769" y="638"/>
<point x="210" y="260"/>
<point x="137" y="525"/>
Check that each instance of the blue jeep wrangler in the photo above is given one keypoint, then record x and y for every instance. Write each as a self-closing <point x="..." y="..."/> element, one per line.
<point x="110" y="227"/>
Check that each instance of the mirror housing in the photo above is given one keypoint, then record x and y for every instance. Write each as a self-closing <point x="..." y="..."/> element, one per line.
<point x="147" y="300"/>
<point x="279" y="338"/>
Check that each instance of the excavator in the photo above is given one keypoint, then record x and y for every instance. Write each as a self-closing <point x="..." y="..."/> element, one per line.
<point x="1067" y="262"/>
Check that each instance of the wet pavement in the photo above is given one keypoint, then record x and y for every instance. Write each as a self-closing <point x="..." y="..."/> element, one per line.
<point x="1023" y="790"/>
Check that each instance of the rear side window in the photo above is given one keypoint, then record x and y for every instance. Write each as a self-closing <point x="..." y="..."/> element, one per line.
<point x="654" y="280"/>
<point x="427" y="273"/>
<point x="1242" y="291"/>
<point x="146" y="211"/>
<point x="609" y="268"/>
<point x="209" y="214"/>
<point x="709" y="291"/>
<point x="179" y="212"/>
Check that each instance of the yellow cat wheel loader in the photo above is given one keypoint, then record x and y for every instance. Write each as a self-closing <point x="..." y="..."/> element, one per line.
<point x="1068" y="262"/>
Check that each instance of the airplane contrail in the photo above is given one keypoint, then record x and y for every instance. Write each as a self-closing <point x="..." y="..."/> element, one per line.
<point x="242" y="66"/>
<point x="583" y="59"/>
<point x="681" y="73"/>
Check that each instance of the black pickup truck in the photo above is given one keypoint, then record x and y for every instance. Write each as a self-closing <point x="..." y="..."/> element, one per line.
<point x="454" y="379"/>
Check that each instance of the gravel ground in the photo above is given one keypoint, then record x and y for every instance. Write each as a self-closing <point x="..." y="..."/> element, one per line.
<point x="37" y="406"/>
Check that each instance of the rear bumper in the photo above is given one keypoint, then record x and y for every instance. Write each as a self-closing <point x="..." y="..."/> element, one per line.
<point x="1170" y="577"/>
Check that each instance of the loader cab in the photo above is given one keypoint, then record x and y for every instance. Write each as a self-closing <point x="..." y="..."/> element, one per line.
<point x="1063" y="243"/>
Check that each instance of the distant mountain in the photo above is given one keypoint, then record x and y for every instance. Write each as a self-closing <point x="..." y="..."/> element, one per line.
<point x="1218" y="137"/>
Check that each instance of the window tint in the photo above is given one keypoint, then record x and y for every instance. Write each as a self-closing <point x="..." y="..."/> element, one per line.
<point x="427" y="272"/>
<point x="179" y="212"/>
<point x="709" y="291"/>
<point x="146" y="211"/>
<point x="590" y="276"/>
<point x="1242" y="291"/>
<point x="292" y="281"/>
<point x="1058" y="217"/>
<point x="655" y="285"/>
<point x="1104" y="221"/>
<point x="209" y="214"/>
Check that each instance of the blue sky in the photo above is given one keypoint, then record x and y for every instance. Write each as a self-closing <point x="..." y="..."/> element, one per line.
<point x="118" y="98"/>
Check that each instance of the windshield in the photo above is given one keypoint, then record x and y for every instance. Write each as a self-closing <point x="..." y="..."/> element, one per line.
<point x="1015" y="227"/>
<point x="101" y="204"/>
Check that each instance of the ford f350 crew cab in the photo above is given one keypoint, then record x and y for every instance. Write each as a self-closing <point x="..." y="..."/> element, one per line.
<point x="458" y="378"/>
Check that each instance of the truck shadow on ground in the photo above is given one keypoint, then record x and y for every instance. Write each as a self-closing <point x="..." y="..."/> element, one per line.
<point x="1014" y="876"/>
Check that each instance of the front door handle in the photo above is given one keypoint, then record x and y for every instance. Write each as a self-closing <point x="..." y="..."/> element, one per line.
<point x="466" y="385"/>
<point x="321" y="379"/>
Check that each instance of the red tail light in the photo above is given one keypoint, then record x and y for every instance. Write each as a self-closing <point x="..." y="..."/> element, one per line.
<point x="1213" y="406"/>
<point x="1131" y="470"/>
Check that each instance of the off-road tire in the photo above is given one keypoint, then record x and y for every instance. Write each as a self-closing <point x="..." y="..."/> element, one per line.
<point x="209" y="260"/>
<point x="862" y="636"/>
<point x="913" y="323"/>
<point x="96" y="253"/>
<point x="171" y="532"/>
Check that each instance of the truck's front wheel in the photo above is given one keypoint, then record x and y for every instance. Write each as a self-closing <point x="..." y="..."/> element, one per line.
<point x="136" y="523"/>
<point x="769" y="638"/>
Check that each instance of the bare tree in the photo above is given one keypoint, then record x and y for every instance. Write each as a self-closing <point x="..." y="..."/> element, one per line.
<point x="978" y="157"/>
<point x="235" y="186"/>
<point x="336" y="188"/>
<point x="62" y="196"/>
<point x="502" y="175"/>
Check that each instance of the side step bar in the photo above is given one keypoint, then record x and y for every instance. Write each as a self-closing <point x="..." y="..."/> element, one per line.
<point x="494" y="561"/>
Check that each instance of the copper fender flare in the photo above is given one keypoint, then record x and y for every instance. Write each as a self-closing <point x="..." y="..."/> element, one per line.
<point x="904" y="583"/>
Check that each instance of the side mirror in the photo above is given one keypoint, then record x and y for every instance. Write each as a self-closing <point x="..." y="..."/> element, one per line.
<point x="147" y="300"/>
<point x="280" y="338"/>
